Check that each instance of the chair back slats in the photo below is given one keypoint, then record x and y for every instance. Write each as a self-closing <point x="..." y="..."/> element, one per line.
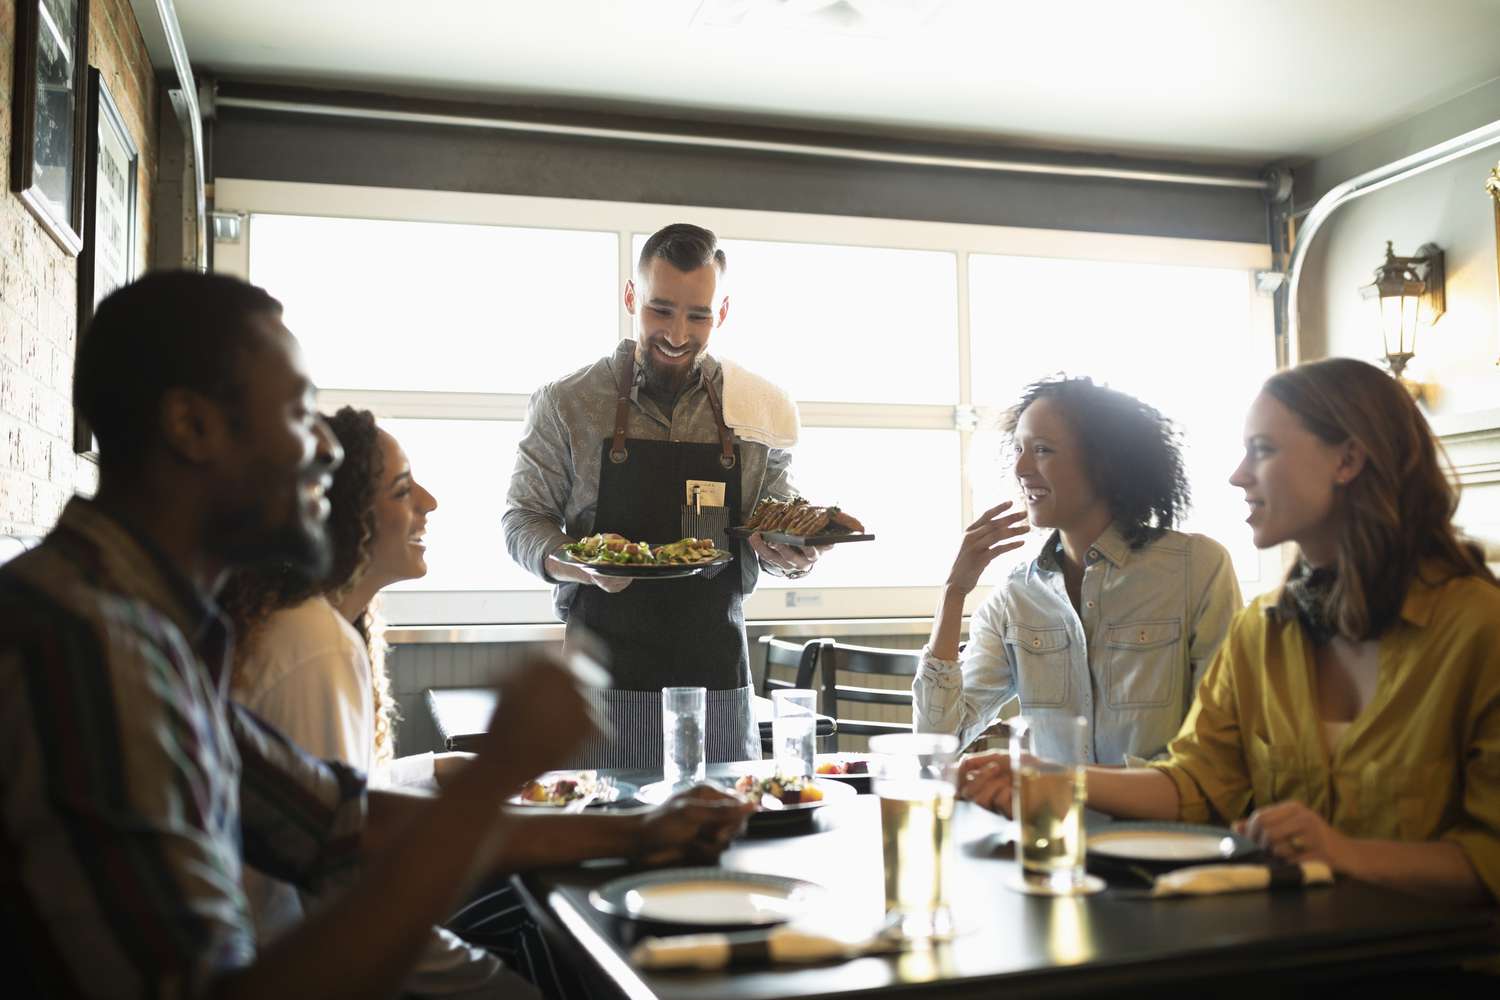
<point x="874" y="696"/>
<point x="850" y="727"/>
<point x="835" y="657"/>
<point x="799" y="657"/>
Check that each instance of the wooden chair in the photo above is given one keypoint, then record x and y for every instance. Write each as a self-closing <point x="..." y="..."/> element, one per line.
<point x="802" y="658"/>
<point x="834" y="656"/>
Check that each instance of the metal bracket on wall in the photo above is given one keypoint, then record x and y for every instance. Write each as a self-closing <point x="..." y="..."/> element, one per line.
<point x="162" y="34"/>
<point x="227" y="226"/>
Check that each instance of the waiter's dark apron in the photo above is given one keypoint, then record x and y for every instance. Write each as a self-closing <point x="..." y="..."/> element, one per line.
<point x="666" y="633"/>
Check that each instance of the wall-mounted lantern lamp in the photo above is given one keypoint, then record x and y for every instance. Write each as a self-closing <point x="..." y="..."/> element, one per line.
<point x="1408" y="293"/>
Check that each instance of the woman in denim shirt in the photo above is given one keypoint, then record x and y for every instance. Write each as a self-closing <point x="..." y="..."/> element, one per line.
<point x="1116" y="616"/>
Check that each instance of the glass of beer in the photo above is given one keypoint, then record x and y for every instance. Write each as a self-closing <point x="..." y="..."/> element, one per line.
<point x="1047" y="805"/>
<point x="914" y="777"/>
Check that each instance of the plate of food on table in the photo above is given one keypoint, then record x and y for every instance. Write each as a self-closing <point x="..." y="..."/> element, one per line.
<point x="852" y="769"/>
<point x="796" y="521"/>
<point x="615" y="555"/>
<point x="782" y="801"/>
<point x="573" y="790"/>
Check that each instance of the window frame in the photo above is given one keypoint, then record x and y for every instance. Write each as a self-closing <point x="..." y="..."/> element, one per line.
<point x="247" y="198"/>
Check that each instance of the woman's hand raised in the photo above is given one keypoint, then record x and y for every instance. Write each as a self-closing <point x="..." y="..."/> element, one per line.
<point x="985" y="539"/>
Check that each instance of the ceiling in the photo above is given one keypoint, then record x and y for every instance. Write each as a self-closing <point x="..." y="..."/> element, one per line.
<point x="1234" y="81"/>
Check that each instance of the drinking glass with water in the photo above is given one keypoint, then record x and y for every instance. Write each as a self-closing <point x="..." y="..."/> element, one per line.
<point x="794" y="731"/>
<point x="683" y="711"/>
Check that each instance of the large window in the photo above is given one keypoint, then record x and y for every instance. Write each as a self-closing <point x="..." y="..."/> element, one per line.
<point x="902" y="343"/>
<point x="1182" y="339"/>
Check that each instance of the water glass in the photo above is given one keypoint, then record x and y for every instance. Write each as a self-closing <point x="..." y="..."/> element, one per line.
<point x="914" y="778"/>
<point x="1048" y="806"/>
<point x="794" y="731"/>
<point x="683" y="711"/>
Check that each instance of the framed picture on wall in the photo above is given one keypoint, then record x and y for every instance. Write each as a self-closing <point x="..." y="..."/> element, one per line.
<point x="46" y="163"/>
<point x="110" y="215"/>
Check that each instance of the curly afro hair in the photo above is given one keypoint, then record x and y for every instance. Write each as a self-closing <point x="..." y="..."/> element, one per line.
<point x="1132" y="454"/>
<point x="252" y="594"/>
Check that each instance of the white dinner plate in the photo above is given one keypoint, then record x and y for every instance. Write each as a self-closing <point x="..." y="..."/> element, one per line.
<point x="1185" y="843"/>
<point x="706" y="897"/>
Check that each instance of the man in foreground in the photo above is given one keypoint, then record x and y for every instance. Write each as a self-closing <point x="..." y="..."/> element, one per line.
<point x="132" y="791"/>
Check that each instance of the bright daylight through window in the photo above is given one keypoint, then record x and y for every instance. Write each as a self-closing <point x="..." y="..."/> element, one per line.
<point x="867" y="332"/>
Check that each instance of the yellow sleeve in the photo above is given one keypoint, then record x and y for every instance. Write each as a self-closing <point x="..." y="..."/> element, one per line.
<point x="1206" y="760"/>
<point x="1478" y="831"/>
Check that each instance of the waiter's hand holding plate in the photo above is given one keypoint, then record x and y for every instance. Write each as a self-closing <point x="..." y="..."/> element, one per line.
<point x="792" y="560"/>
<point x="573" y="572"/>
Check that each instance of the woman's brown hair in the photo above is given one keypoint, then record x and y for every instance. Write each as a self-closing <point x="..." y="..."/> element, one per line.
<point x="253" y="594"/>
<point x="1396" y="516"/>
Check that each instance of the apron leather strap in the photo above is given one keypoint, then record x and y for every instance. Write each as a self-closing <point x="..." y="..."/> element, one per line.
<point x="617" y="451"/>
<point x="726" y="439"/>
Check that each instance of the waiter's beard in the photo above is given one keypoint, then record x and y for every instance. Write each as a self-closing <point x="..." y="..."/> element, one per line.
<point x="668" y="382"/>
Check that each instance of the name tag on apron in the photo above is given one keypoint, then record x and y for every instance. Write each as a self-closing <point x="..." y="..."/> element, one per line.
<point x="701" y="493"/>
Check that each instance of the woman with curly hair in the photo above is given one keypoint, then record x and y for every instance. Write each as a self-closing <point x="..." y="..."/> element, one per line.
<point x="310" y="661"/>
<point x="310" y="657"/>
<point x="1353" y="714"/>
<point x="1115" y="617"/>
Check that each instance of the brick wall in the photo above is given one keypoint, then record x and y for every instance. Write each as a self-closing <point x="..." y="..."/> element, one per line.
<point x="39" y="290"/>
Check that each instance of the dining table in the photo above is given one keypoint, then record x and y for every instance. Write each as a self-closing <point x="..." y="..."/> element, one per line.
<point x="1010" y="944"/>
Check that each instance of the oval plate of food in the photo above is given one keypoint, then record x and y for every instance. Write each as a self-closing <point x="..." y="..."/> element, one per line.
<point x="784" y="802"/>
<point x="615" y="555"/>
<point x="561" y="789"/>
<point x="797" y="522"/>
<point x="852" y="769"/>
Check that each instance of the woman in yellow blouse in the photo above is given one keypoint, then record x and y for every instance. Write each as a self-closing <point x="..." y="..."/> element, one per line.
<point x="1353" y="714"/>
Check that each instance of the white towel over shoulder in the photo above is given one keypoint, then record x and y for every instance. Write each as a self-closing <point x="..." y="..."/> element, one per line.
<point x="757" y="410"/>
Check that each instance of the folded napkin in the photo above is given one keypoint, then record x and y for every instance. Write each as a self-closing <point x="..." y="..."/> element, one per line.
<point x="756" y="410"/>
<point x="784" y="944"/>
<point x="1206" y="880"/>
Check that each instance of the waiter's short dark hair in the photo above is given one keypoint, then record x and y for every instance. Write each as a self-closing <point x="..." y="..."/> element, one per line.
<point x="167" y="330"/>
<point x="685" y="246"/>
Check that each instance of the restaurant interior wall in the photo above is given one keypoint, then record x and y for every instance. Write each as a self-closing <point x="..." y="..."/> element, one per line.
<point x="1457" y="358"/>
<point x="39" y="470"/>
<point x="416" y="667"/>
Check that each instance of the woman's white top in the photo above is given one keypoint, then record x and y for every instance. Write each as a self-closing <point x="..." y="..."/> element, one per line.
<point x="309" y="676"/>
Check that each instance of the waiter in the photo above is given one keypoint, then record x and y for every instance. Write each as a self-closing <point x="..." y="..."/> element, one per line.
<point x="625" y="445"/>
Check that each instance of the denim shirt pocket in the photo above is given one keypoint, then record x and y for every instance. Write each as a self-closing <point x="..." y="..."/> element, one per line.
<point x="1141" y="663"/>
<point x="1042" y="667"/>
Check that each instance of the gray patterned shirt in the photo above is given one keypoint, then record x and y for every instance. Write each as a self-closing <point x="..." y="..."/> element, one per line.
<point x="554" y="490"/>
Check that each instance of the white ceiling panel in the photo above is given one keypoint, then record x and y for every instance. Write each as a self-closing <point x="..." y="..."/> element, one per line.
<point x="1235" y="80"/>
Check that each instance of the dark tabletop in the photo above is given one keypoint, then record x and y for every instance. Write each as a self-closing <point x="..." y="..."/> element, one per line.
<point x="1119" y="939"/>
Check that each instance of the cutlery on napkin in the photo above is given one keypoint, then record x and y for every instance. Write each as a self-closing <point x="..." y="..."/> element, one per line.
<point x="783" y="944"/>
<point x="1205" y="880"/>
